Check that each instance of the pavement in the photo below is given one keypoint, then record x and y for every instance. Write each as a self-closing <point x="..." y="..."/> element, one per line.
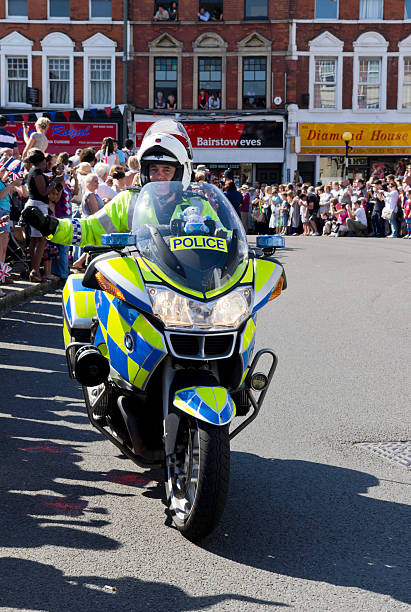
<point x="22" y="290"/>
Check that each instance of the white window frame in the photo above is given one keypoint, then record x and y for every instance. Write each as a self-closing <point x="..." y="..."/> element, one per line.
<point x="165" y="45"/>
<point x="372" y="20"/>
<point x="326" y="46"/>
<point x="98" y="47"/>
<point x="370" y="45"/>
<point x="16" y="45"/>
<point x="100" y="19"/>
<point x="404" y="47"/>
<point x="6" y="74"/>
<point x="57" y="45"/>
<point x="209" y="44"/>
<point x="253" y="45"/>
<point x="16" y="17"/>
<point x="59" y="19"/>
<point x="337" y="2"/>
<point x="326" y="59"/>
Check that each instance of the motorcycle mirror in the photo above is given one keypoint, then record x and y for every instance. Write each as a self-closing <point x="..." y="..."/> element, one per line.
<point x="118" y="240"/>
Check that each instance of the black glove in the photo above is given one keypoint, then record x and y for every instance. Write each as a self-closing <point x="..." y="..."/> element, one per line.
<point x="45" y="224"/>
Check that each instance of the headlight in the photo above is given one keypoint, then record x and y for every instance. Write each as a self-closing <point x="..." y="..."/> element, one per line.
<point x="178" y="311"/>
<point x="229" y="310"/>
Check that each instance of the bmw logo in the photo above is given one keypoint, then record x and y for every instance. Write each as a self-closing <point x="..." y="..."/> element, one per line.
<point x="129" y="342"/>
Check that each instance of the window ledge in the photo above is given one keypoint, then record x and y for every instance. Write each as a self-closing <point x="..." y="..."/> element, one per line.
<point x="17" y="18"/>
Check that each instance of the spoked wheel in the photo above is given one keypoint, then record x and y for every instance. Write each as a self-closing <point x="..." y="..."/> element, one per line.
<point x="198" y="477"/>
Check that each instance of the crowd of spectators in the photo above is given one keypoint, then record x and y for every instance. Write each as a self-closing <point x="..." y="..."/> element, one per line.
<point x="379" y="207"/>
<point x="64" y="186"/>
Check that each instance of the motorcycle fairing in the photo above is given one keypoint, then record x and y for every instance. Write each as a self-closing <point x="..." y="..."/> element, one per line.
<point x="247" y="342"/>
<point x="134" y="346"/>
<point x="211" y="404"/>
<point x="78" y="306"/>
<point x="267" y="275"/>
<point x="153" y="273"/>
<point x="125" y="274"/>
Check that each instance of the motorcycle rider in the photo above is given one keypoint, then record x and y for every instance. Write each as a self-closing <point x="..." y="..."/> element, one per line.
<point x="165" y="155"/>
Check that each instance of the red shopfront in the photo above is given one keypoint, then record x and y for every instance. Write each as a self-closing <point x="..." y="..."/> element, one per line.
<point x="70" y="136"/>
<point x="253" y="147"/>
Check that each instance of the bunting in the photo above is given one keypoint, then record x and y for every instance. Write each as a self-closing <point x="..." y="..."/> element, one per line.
<point x="25" y="117"/>
<point x="107" y="110"/>
<point x="10" y="118"/>
<point x="52" y="115"/>
<point x="67" y="115"/>
<point x="38" y="115"/>
<point x="93" y="111"/>
<point x="80" y="112"/>
<point x="121" y="108"/>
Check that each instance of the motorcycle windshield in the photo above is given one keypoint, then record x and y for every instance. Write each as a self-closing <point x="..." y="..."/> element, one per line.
<point x="192" y="237"/>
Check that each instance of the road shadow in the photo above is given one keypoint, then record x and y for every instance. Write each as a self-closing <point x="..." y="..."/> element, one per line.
<point x="315" y="522"/>
<point x="30" y="585"/>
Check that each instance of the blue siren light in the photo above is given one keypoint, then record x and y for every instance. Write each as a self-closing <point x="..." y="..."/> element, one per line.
<point x="118" y="240"/>
<point x="264" y="242"/>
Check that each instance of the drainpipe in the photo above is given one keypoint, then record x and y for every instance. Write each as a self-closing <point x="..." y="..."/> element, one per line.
<point x="125" y="66"/>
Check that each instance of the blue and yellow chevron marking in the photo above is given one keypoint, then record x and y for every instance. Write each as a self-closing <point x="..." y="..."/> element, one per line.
<point x="211" y="404"/>
<point x="116" y="320"/>
<point x="79" y="306"/>
<point x="247" y="343"/>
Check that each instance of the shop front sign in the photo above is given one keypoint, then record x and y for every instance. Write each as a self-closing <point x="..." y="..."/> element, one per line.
<point x="69" y="136"/>
<point x="367" y="139"/>
<point x="228" y="135"/>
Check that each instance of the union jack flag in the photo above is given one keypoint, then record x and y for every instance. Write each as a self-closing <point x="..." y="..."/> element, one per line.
<point x="105" y="156"/>
<point x="4" y="272"/>
<point x="13" y="167"/>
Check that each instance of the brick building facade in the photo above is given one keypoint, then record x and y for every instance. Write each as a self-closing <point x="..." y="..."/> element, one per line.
<point x="270" y="86"/>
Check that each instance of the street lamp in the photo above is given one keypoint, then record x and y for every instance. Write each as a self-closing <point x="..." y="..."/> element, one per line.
<point x="347" y="137"/>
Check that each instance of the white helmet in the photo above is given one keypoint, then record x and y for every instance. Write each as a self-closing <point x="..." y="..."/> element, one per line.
<point x="167" y="148"/>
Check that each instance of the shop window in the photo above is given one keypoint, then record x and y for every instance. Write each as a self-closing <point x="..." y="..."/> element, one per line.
<point x="165" y="83"/>
<point x="17" y="79"/>
<point x="371" y="9"/>
<point x="100" y="9"/>
<point x="325" y="83"/>
<point x="407" y="9"/>
<point x="369" y="83"/>
<point x="326" y="9"/>
<point x="59" y="8"/>
<point x="209" y="82"/>
<point x="100" y="81"/>
<point x="406" y="85"/>
<point x="254" y="82"/>
<point x="256" y="9"/>
<point x="210" y="10"/>
<point x="17" y="8"/>
<point x="59" y="80"/>
<point x="165" y="11"/>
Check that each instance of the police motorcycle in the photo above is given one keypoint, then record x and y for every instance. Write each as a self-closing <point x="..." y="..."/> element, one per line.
<point x="160" y="333"/>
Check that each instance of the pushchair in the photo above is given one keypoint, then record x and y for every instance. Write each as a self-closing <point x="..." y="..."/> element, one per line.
<point x="17" y="255"/>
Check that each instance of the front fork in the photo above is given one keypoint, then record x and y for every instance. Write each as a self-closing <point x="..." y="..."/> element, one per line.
<point x="171" y="418"/>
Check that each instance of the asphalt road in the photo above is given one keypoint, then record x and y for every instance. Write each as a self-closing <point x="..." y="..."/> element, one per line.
<point x="313" y="520"/>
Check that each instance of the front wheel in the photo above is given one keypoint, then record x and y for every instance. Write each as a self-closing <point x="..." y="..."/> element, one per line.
<point x="198" y="477"/>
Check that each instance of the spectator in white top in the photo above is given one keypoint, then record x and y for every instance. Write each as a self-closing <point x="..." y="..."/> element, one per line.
<point x="161" y="14"/>
<point x="204" y="15"/>
<point x="105" y="192"/>
<point x="357" y="219"/>
<point x="214" y="102"/>
<point x="391" y="201"/>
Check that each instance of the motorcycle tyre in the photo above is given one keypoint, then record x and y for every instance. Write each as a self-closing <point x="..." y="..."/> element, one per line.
<point x="213" y="481"/>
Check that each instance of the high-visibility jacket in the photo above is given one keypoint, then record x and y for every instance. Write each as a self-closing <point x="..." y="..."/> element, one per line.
<point x="117" y="216"/>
